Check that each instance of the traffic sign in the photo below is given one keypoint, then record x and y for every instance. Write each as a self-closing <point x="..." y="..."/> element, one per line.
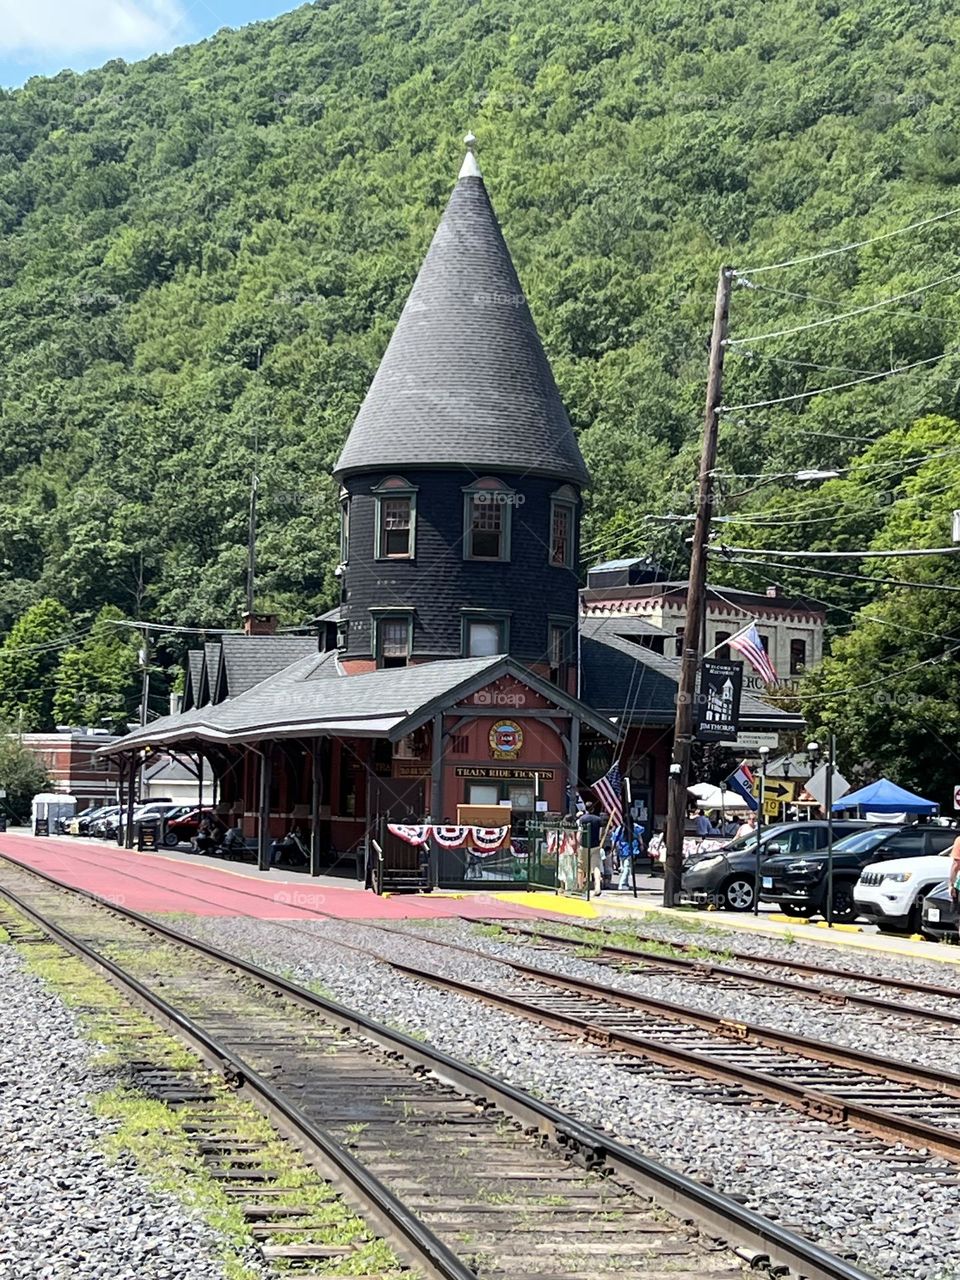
<point x="779" y="791"/>
<point x="771" y="808"/>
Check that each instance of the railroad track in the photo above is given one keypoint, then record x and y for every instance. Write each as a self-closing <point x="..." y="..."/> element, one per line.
<point x="464" y="1175"/>
<point x="716" y="965"/>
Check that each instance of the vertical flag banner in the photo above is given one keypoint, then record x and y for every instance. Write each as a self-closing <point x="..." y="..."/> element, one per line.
<point x="717" y="711"/>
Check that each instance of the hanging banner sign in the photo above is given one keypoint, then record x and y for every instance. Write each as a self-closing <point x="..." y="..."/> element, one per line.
<point x="716" y="711"/>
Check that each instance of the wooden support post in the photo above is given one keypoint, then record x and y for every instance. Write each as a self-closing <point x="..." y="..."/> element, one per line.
<point x="316" y="785"/>
<point x="436" y="792"/>
<point x="573" y="764"/>
<point x="131" y="788"/>
<point x="263" y="820"/>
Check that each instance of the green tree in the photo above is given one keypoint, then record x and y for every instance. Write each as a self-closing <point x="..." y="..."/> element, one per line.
<point x="98" y="681"/>
<point x="22" y="775"/>
<point x="28" y="663"/>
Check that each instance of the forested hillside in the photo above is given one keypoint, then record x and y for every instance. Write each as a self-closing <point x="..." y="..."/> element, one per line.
<point x="204" y="253"/>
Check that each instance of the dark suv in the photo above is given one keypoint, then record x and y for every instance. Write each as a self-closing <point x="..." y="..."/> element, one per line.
<point x="799" y="884"/>
<point x="727" y="877"/>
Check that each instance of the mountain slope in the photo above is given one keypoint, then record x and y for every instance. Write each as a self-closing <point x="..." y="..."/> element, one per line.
<point x="203" y="254"/>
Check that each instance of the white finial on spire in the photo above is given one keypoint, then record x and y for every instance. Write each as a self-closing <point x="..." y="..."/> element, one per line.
<point x="470" y="168"/>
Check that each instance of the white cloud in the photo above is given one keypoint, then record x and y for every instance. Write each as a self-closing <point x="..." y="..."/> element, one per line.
<point x="119" y="28"/>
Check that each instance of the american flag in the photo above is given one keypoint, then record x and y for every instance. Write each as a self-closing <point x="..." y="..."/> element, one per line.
<point x="748" y="643"/>
<point x="608" y="788"/>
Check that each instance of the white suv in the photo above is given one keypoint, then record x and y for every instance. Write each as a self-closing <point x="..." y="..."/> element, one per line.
<point x="890" y="894"/>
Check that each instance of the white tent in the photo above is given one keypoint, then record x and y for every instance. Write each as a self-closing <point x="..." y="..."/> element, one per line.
<point x="53" y="805"/>
<point x="711" y="797"/>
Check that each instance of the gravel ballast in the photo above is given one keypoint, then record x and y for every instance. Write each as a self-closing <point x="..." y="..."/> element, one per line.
<point x="835" y="1186"/>
<point x="69" y="1211"/>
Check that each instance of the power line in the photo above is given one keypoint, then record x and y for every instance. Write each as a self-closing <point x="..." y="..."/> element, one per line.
<point x="892" y="465"/>
<point x="836" y="386"/>
<point x="868" y="684"/>
<point x="846" y="248"/>
<point x="853" y="577"/>
<point x="845" y="315"/>
<point x="164" y="627"/>
<point x="841" y="555"/>
<point x="910" y="312"/>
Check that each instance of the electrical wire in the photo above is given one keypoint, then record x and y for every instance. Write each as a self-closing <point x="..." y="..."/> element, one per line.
<point x="892" y="465"/>
<point x="909" y="312"/>
<point x="844" y="315"/>
<point x="847" y="248"/>
<point x="838" y="555"/>
<point x="834" y="386"/>
<point x="852" y="577"/>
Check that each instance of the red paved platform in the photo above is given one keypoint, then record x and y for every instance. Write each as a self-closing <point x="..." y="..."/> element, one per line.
<point x="154" y="883"/>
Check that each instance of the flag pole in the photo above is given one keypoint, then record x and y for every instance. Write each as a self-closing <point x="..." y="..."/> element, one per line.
<point x="730" y="639"/>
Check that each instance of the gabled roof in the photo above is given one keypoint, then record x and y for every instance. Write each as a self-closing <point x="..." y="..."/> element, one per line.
<point x="623" y="679"/>
<point x="207" y="684"/>
<point x="464" y="381"/>
<point x="246" y="660"/>
<point x="311" y="697"/>
<point x="191" y="687"/>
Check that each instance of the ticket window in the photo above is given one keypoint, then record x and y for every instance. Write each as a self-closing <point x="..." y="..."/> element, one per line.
<point x="483" y="793"/>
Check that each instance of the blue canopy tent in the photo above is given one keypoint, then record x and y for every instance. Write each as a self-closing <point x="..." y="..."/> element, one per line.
<point x="886" y="797"/>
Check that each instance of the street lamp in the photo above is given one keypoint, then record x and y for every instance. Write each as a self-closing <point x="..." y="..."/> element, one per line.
<point x="813" y="752"/>
<point x="764" y="752"/>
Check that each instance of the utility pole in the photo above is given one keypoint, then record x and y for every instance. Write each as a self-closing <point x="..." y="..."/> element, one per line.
<point x="696" y="600"/>
<point x="252" y="544"/>
<point x="144" y="708"/>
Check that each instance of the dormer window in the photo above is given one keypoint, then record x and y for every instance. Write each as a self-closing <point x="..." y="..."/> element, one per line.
<point x="486" y="518"/>
<point x="396" y="519"/>
<point x="563" y="512"/>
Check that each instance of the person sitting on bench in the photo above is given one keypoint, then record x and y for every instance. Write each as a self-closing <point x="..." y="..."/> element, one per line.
<point x="290" y="848"/>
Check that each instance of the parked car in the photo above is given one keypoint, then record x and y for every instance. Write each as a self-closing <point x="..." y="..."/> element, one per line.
<point x="938" y="915"/>
<point x="182" y="829"/>
<point x="727" y="878"/>
<point x="891" y="895"/>
<point x="799" y="885"/>
<point x="104" y="824"/>
<point x="79" y="824"/>
<point x="154" y="811"/>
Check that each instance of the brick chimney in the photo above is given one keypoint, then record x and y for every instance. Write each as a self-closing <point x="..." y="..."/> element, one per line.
<point x="259" y="624"/>
<point x="773" y="590"/>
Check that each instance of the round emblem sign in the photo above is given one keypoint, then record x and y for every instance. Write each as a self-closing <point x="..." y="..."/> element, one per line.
<point x="506" y="739"/>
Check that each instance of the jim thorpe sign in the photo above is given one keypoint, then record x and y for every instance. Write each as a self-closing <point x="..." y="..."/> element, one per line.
<point x="717" y="705"/>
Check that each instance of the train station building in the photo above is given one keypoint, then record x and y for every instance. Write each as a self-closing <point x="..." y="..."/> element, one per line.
<point x="460" y="666"/>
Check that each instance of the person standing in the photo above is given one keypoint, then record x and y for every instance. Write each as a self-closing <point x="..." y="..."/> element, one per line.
<point x="747" y="826"/>
<point x="702" y="824"/>
<point x="955" y="874"/>
<point x="591" y="826"/>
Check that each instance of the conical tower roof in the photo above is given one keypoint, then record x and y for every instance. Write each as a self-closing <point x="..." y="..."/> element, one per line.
<point x="465" y="381"/>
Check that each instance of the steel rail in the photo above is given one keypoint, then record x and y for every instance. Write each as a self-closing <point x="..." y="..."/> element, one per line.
<point x="812" y="1102"/>
<point x="708" y="968"/>
<point x="381" y="1208"/>
<point x="764" y="1243"/>
<point x="778" y="962"/>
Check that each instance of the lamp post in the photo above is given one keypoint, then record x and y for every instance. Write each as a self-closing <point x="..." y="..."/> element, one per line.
<point x="764" y="752"/>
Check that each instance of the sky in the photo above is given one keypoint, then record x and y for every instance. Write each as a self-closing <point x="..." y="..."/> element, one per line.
<point x="42" y="37"/>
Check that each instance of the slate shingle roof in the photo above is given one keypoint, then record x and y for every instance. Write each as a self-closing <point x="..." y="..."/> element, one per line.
<point x="249" y="659"/>
<point x="464" y="381"/>
<point x="191" y="690"/>
<point x="621" y="678"/>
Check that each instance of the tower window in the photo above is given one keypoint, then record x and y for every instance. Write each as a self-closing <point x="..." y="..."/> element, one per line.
<point x="393" y="639"/>
<point x="396" y="519"/>
<point x="562" y="526"/>
<point x="395" y="527"/>
<point x="484" y="637"/>
<point x="722" y="648"/>
<point x="798" y="656"/>
<point x="344" y="528"/>
<point x="486" y="532"/>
